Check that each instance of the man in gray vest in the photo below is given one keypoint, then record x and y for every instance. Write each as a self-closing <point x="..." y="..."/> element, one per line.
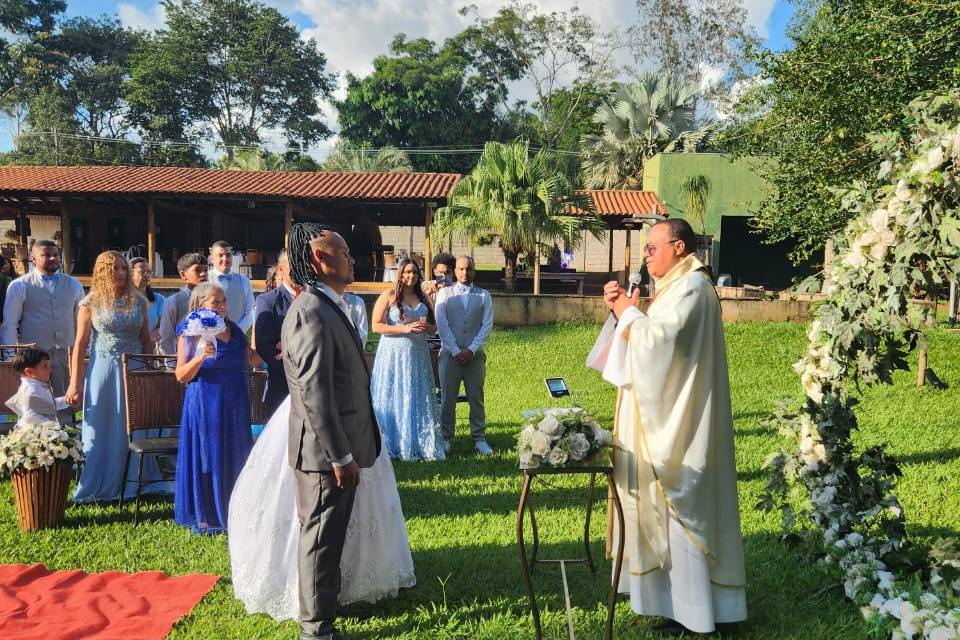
<point x="41" y="307"/>
<point x="464" y="321"/>
<point x="193" y="271"/>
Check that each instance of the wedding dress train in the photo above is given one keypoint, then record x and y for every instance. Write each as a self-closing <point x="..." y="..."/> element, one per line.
<point x="263" y="529"/>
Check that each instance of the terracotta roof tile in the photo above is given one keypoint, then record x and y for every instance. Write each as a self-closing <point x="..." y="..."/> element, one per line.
<point x="214" y="182"/>
<point x="610" y="202"/>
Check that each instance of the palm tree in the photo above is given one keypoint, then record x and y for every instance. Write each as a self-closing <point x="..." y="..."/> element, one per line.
<point x="697" y="189"/>
<point x="346" y="156"/>
<point x="524" y="201"/>
<point x="657" y="113"/>
<point x="252" y="160"/>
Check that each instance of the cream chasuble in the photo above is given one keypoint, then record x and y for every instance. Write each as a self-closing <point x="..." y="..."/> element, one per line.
<point x="674" y="463"/>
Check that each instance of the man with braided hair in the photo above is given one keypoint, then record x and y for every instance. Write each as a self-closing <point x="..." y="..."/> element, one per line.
<point x="332" y="428"/>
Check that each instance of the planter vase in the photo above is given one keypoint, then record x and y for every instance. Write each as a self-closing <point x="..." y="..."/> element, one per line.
<point x="41" y="496"/>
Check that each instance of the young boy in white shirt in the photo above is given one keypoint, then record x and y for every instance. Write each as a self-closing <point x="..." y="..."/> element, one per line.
<point x="34" y="401"/>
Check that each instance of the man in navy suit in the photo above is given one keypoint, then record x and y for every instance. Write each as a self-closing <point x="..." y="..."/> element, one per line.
<point x="271" y="308"/>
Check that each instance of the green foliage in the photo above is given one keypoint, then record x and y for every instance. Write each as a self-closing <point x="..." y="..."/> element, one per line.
<point x="348" y="157"/>
<point x="423" y="96"/>
<point x="228" y="69"/>
<point x="852" y="68"/>
<point x="521" y="199"/>
<point x="656" y="113"/>
<point x="696" y="188"/>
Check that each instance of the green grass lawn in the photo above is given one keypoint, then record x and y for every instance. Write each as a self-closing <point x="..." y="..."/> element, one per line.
<point x="461" y="512"/>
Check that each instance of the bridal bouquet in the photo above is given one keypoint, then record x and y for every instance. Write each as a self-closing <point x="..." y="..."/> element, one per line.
<point x="560" y="438"/>
<point x="38" y="445"/>
<point x="205" y="323"/>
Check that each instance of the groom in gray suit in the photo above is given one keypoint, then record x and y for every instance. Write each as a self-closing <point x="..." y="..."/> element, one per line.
<point x="333" y="430"/>
<point x="464" y="321"/>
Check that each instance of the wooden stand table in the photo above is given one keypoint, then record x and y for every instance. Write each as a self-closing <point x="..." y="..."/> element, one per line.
<point x="527" y="566"/>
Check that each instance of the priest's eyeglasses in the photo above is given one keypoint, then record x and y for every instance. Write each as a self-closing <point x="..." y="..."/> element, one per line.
<point x="650" y="249"/>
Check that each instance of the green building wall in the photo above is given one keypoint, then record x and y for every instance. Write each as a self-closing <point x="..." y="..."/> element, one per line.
<point x="736" y="190"/>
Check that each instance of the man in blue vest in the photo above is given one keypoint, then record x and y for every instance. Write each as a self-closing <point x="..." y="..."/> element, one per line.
<point x="41" y="307"/>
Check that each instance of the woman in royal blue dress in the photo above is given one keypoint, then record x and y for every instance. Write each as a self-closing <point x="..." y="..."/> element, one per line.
<point x="113" y="319"/>
<point x="402" y="381"/>
<point x="215" y="435"/>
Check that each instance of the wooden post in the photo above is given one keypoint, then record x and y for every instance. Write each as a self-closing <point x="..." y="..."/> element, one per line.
<point x="67" y="257"/>
<point x="610" y="255"/>
<point x="287" y="221"/>
<point x="151" y="232"/>
<point x="921" y="367"/>
<point x="427" y="254"/>
<point x="536" y="271"/>
<point x="627" y="261"/>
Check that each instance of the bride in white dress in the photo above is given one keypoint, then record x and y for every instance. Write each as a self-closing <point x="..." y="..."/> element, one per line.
<point x="263" y="529"/>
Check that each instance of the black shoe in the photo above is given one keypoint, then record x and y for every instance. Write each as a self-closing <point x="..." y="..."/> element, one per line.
<point x="671" y="628"/>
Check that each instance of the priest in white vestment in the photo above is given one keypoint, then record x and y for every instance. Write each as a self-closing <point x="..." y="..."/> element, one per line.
<point x="674" y="462"/>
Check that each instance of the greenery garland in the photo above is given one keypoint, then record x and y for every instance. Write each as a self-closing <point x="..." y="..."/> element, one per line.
<point x="904" y="238"/>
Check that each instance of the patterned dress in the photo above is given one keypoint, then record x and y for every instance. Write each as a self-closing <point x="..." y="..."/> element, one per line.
<point x="402" y="385"/>
<point x="104" y="433"/>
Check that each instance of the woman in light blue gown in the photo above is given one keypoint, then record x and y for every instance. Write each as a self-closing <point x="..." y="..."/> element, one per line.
<point x="402" y="382"/>
<point x="113" y="319"/>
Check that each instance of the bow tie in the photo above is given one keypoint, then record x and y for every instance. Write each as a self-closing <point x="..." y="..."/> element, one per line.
<point x="226" y="276"/>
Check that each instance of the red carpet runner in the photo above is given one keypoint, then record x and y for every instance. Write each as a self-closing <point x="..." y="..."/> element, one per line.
<point x="61" y="605"/>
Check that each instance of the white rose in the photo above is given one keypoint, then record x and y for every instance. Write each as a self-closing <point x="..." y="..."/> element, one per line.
<point x="579" y="446"/>
<point x="806" y="445"/>
<point x="854" y="539"/>
<point x="910" y="623"/>
<point x="892" y="607"/>
<point x="527" y="460"/>
<point x="855" y="259"/>
<point x="549" y="425"/>
<point x="556" y="456"/>
<point x="525" y="434"/>
<point x="880" y="220"/>
<point x="935" y="157"/>
<point x="941" y="633"/>
<point x="904" y="192"/>
<point x="601" y="435"/>
<point x="819" y="452"/>
<point x="920" y="165"/>
<point x="814" y="391"/>
<point x="540" y="443"/>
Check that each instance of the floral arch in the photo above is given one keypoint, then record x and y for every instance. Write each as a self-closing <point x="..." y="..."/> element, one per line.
<point x="905" y="235"/>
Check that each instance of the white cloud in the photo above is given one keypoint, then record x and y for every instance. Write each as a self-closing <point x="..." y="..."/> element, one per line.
<point x="758" y="12"/>
<point x="136" y="18"/>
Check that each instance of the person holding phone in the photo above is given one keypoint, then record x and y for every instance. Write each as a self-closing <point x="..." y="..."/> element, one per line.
<point x="402" y="382"/>
<point x="443" y="266"/>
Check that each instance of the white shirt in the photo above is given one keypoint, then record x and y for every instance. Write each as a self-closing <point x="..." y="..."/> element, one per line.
<point x="447" y="296"/>
<point x="20" y="403"/>
<point x="239" y="292"/>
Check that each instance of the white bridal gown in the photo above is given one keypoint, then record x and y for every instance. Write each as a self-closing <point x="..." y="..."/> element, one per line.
<point x="263" y="529"/>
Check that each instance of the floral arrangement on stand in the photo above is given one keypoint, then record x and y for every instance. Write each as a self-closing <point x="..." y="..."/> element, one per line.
<point x="904" y="237"/>
<point x="560" y="437"/>
<point x="205" y="323"/>
<point x="37" y="446"/>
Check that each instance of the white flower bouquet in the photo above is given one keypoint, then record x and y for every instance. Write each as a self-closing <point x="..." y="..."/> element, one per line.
<point x="37" y="446"/>
<point x="560" y="438"/>
<point x="205" y="323"/>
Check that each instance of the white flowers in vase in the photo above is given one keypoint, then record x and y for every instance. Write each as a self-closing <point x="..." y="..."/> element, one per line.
<point x="560" y="437"/>
<point x="37" y="446"/>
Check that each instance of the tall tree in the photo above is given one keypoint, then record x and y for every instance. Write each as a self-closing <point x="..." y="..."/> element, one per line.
<point x="564" y="56"/>
<point x="656" y="113"/>
<point x="230" y="70"/>
<point x="420" y="95"/>
<point x="523" y="200"/>
<point x="853" y="68"/>
<point x="24" y="26"/>
<point x="349" y="157"/>
<point x="686" y="38"/>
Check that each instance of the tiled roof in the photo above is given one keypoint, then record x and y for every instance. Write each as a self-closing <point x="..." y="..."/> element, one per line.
<point x="625" y="203"/>
<point x="395" y="187"/>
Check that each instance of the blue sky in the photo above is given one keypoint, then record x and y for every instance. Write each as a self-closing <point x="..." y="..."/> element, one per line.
<point x="352" y="32"/>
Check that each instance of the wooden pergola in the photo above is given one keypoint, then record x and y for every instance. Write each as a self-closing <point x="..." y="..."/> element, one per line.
<point x="174" y="210"/>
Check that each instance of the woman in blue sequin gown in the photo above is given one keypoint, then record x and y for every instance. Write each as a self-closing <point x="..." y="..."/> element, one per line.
<point x="215" y="437"/>
<point x="111" y="319"/>
<point x="402" y="382"/>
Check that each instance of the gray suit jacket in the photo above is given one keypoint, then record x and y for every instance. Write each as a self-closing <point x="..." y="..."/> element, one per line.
<point x="331" y="411"/>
